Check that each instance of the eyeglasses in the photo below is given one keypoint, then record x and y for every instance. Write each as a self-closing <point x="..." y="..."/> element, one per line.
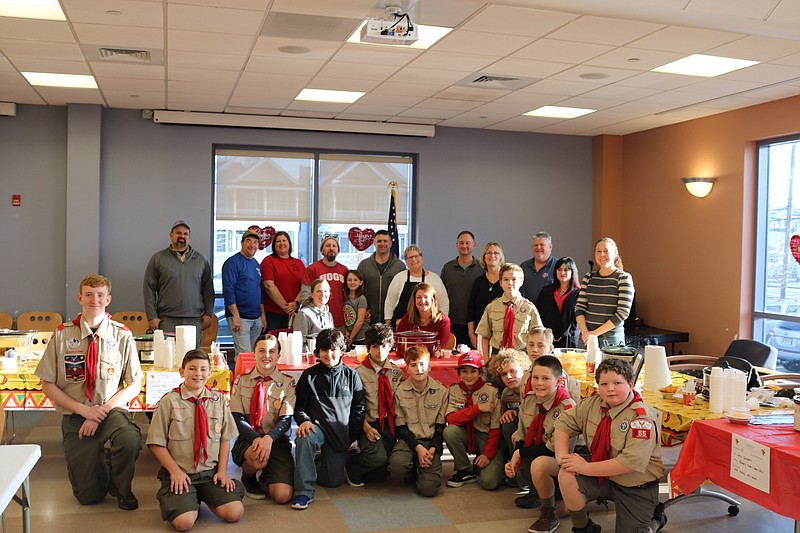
<point x="330" y="236"/>
<point x="492" y="253"/>
<point x="410" y="257"/>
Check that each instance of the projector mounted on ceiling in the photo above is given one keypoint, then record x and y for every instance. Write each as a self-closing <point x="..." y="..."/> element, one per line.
<point x="394" y="28"/>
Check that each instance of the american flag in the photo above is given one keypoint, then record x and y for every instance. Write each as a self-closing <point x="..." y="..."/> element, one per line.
<point x="392" y="224"/>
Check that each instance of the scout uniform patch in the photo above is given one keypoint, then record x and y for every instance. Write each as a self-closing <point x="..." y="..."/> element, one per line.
<point x="641" y="429"/>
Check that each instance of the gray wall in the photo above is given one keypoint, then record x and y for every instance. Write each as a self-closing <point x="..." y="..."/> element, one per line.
<point x="503" y="186"/>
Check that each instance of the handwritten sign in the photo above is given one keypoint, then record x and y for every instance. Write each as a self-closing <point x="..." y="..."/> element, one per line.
<point x="750" y="463"/>
<point x="158" y="384"/>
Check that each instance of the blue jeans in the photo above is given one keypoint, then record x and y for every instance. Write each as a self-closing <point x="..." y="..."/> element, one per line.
<point x="328" y="471"/>
<point x="243" y="340"/>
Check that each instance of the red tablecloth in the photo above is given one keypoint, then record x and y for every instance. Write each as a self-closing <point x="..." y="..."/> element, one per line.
<point x="706" y="454"/>
<point x="442" y="370"/>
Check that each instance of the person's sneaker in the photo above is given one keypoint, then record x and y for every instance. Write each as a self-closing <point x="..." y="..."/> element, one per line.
<point x="528" y="501"/>
<point x="547" y="523"/>
<point x="510" y="482"/>
<point x="301" y="502"/>
<point x="128" y="503"/>
<point x="659" y="516"/>
<point x="352" y="481"/>
<point x="252" y="488"/>
<point x="461" y="478"/>
<point x="591" y="527"/>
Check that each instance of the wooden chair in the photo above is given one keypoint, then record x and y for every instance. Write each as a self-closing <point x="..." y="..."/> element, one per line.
<point x="451" y="343"/>
<point x="135" y="320"/>
<point x="784" y="381"/>
<point x="39" y="320"/>
<point x="210" y="334"/>
<point x="690" y="362"/>
<point x="40" y="339"/>
<point x="6" y="320"/>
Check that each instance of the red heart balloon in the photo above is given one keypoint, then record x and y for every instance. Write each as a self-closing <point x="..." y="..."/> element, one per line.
<point x="794" y="246"/>
<point x="361" y="239"/>
<point x="267" y="234"/>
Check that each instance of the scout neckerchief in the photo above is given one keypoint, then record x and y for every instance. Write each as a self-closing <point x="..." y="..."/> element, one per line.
<point x="601" y="445"/>
<point x="536" y="430"/>
<point x="470" y="426"/>
<point x="257" y="402"/>
<point x="91" y="361"/>
<point x="386" y="411"/>
<point x="200" y="426"/>
<point x="508" y="326"/>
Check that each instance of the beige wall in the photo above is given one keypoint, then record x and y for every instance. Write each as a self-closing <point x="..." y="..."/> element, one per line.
<point x="690" y="258"/>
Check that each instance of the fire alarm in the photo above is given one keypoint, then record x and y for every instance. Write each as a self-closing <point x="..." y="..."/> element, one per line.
<point x="16" y="200"/>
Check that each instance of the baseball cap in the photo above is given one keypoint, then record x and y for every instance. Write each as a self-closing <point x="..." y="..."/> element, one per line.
<point x="180" y="223"/>
<point x="251" y="233"/>
<point x="471" y="358"/>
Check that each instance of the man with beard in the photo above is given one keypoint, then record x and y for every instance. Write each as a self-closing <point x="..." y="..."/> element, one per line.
<point x="378" y="271"/>
<point x="331" y="271"/>
<point x="178" y="287"/>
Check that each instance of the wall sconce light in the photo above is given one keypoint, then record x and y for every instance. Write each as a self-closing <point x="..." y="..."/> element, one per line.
<point x="699" y="187"/>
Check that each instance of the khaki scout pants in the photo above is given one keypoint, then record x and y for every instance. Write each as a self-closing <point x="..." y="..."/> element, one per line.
<point x="403" y="463"/>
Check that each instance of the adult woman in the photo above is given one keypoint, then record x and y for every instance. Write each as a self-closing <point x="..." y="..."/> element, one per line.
<point x="281" y="278"/>
<point x="314" y="315"/>
<point x="403" y="283"/>
<point x="486" y="288"/>
<point x="556" y="304"/>
<point x="423" y="313"/>
<point x="605" y="298"/>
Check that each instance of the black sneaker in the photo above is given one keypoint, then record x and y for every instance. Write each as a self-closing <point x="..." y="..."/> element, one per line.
<point x="353" y="481"/>
<point x="128" y="503"/>
<point x="461" y="478"/>
<point x="252" y="488"/>
<point x="659" y="516"/>
<point x="528" y="501"/>
<point x="591" y="527"/>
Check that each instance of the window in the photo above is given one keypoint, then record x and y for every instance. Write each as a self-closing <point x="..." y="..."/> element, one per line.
<point x="776" y="311"/>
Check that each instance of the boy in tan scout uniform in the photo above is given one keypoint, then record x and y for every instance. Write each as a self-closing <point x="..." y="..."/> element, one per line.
<point x="473" y="420"/>
<point x="190" y="435"/>
<point x="510" y="308"/>
<point x="544" y="401"/>
<point x="421" y="403"/>
<point x="623" y="436"/>
<point x="262" y="403"/>
<point x="380" y="377"/>
<point x="90" y="370"/>
<point x="540" y="342"/>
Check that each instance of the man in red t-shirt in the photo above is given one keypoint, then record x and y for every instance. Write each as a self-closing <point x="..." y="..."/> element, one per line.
<point x="334" y="273"/>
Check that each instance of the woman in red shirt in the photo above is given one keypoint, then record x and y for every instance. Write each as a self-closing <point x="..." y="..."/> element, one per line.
<point x="423" y="313"/>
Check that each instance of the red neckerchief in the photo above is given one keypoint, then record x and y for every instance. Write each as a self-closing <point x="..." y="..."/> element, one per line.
<point x="536" y="429"/>
<point x="508" y="326"/>
<point x="257" y="402"/>
<point x="91" y="361"/>
<point x="200" y="427"/>
<point x="601" y="445"/>
<point x="470" y="426"/>
<point x="386" y="412"/>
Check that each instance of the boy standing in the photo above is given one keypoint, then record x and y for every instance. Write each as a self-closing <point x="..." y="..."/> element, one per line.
<point x="540" y="342"/>
<point x="380" y="377"/>
<point x="473" y="420"/>
<point x="329" y="411"/>
<point x="90" y="370"/>
<point x="623" y="436"/>
<point x="421" y="403"/>
<point x="262" y="403"/>
<point x="190" y="436"/>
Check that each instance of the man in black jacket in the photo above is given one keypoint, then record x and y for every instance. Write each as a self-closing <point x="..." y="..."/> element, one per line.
<point x="329" y="411"/>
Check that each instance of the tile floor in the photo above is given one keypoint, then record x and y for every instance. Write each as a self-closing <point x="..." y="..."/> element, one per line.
<point x="389" y="507"/>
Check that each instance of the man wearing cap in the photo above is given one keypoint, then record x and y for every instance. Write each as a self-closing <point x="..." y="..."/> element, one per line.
<point x="331" y="271"/>
<point x="540" y="269"/>
<point x="178" y="286"/>
<point x="241" y="289"/>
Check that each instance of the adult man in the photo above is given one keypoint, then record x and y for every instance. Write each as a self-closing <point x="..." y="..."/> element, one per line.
<point x="334" y="273"/>
<point x="241" y="289"/>
<point x="540" y="269"/>
<point x="378" y="271"/>
<point x="458" y="277"/>
<point x="90" y="370"/>
<point x="178" y="287"/>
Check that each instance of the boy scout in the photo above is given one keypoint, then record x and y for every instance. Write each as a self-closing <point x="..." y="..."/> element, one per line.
<point x="421" y="402"/>
<point x="380" y="377"/>
<point x="190" y="435"/>
<point x="540" y="342"/>
<point x="623" y="436"/>
<point x="513" y="367"/>
<point x="262" y="403"/>
<point x="473" y="419"/>
<point x="90" y="370"/>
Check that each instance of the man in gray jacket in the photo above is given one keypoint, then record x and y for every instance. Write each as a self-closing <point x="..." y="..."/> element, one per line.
<point x="178" y="287"/>
<point x="378" y="271"/>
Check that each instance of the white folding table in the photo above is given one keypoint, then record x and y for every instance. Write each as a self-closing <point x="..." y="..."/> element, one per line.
<point x="17" y="461"/>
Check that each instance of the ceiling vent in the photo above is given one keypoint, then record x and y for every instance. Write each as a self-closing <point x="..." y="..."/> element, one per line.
<point x="496" y="81"/>
<point x="122" y="54"/>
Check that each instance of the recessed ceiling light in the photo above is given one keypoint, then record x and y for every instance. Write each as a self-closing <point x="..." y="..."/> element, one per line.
<point x="294" y="49"/>
<point x="553" y="111"/>
<point x="32" y="9"/>
<point x="47" y="79"/>
<point x="426" y="37"/>
<point x="704" y="65"/>
<point x="327" y="95"/>
<point x="593" y="76"/>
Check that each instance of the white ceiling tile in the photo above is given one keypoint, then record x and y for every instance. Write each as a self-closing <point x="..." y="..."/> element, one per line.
<point x="793" y="60"/>
<point x="757" y="48"/>
<point x="587" y="102"/>
<point x="634" y="59"/>
<point x="743" y="8"/>
<point x="129" y="85"/>
<point x="190" y="87"/>
<point x="732" y="102"/>
<point x="266" y="101"/>
<point x="685" y="40"/>
<point x="419" y="112"/>
<point x="245" y="110"/>
<point x="137" y="100"/>
<point x="20" y="48"/>
<point x="180" y="58"/>
<point x="475" y="94"/>
<point x="366" y="109"/>
<point x="447" y="13"/>
<point x="309" y="113"/>
<point x="327" y="107"/>
<point x="363" y="117"/>
<point x="40" y="30"/>
<point x="20" y="94"/>
<point x="389" y="101"/>
<point x="214" y="19"/>
<point x="675" y="98"/>
<point x="64" y="96"/>
<point x="562" y="88"/>
<point x="374" y="55"/>
<point x="642" y="108"/>
<point x="269" y="46"/>
<point x="523" y="123"/>
<point x="473" y="42"/>
<point x="561" y="51"/>
<point x="233" y="4"/>
<point x="719" y="87"/>
<point x="602" y="30"/>
<point x="451" y="61"/>
<point x="527" y="68"/>
<point x="506" y="108"/>
<point x="692" y="112"/>
<point x="586" y="74"/>
<point x="659" y="80"/>
<point x="131" y="12"/>
<point x="127" y="71"/>
<point x="217" y="43"/>
<point x="6" y="66"/>
<point x="357" y="71"/>
<point x="395" y="87"/>
<point x="196" y="102"/>
<point x="787" y="11"/>
<point x="273" y="80"/>
<point x="339" y="8"/>
<point x="507" y="20"/>
<point x="120" y="36"/>
<point x="27" y="64"/>
<point x="415" y="120"/>
<point x="447" y="105"/>
<point x="428" y="76"/>
<point x="202" y="76"/>
<point x="619" y="92"/>
<point x="471" y="120"/>
<point x="764" y="73"/>
<point x="284" y="65"/>
<point x="343" y="84"/>
<point x="775" y="93"/>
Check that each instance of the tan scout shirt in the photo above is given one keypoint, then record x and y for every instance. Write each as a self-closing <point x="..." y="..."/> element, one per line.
<point x="635" y="439"/>
<point x="528" y="410"/>
<point x="173" y="427"/>
<point x="526" y="317"/>
<point x="280" y="397"/>
<point x="64" y="361"/>
<point x="369" y="378"/>
<point x="420" y="411"/>
<point x="488" y="393"/>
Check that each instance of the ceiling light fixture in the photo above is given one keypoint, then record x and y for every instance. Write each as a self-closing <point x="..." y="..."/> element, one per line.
<point x="699" y="187"/>
<point x="328" y="95"/>
<point x="704" y="65"/>
<point x="552" y="111"/>
<point x="49" y="79"/>
<point x="25" y="9"/>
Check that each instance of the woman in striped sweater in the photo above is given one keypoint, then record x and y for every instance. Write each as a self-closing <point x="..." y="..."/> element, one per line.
<point x="606" y="296"/>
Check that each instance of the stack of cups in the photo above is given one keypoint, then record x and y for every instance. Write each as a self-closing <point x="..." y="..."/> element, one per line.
<point x="656" y="368"/>
<point x="159" y="349"/>
<point x="185" y="340"/>
<point x="593" y="354"/>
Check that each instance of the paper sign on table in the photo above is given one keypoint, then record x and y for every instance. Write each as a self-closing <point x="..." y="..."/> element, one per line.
<point x="750" y="463"/>
<point x="160" y="383"/>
